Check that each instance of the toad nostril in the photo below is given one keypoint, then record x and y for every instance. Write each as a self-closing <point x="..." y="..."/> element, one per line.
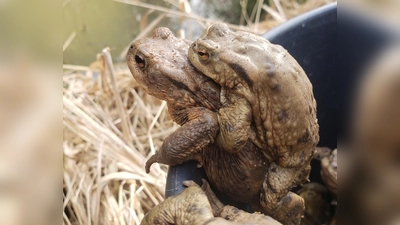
<point x="131" y="47"/>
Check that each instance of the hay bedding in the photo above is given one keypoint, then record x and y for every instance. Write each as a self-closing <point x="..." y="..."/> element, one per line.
<point x="111" y="127"/>
<point x="104" y="177"/>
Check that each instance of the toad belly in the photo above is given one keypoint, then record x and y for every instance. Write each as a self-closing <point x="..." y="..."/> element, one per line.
<point x="238" y="175"/>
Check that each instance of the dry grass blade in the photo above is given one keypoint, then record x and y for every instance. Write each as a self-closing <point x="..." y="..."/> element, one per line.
<point x="75" y="67"/>
<point x="144" y="20"/>
<point x="259" y="6"/>
<point x="121" y="110"/>
<point x="69" y="40"/>
<point x="273" y="13"/>
<point x="280" y="9"/>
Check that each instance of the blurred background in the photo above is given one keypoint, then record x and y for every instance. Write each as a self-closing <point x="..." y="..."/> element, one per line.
<point x="94" y="24"/>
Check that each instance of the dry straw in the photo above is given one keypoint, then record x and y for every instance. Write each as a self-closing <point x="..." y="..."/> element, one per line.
<point x="111" y="127"/>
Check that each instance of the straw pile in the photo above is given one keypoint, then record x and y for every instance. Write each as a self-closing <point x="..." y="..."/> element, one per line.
<point x="111" y="127"/>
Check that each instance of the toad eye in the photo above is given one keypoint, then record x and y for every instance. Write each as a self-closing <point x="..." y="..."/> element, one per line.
<point x="140" y="61"/>
<point x="203" y="55"/>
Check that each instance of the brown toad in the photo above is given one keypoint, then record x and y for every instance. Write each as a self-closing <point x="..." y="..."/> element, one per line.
<point x="199" y="205"/>
<point x="160" y="65"/>
<point x="267" y="98"/>
<point x="317" y="202"/>
<point x="329" y="171"/>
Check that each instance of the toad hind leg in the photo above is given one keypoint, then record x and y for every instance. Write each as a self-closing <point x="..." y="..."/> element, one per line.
<point x="231" y="213"/>
<point x="187" y="142"/>
<point x="276" y="199"/>
<point x="189" y="207"/>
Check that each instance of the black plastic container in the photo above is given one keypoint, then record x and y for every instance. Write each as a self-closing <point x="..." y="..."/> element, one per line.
<point x="311" y="40"/>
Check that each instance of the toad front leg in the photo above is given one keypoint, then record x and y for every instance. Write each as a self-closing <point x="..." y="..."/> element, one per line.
<point x="235" y="124"/>
<point x="188" y="141"/>
<point x="276" y="198"/>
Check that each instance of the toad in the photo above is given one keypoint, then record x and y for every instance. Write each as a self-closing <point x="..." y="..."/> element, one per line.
<point x="329" y="171"/>
<point x="317" y="202"/>
<point x="160" y="65"/>
<point x="199" y="205"/>
<point x="267" y="98"/>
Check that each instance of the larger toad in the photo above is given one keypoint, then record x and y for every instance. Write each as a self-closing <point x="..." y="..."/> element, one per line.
<point x="160" y="65"/>
<point x="266" y="97"/>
